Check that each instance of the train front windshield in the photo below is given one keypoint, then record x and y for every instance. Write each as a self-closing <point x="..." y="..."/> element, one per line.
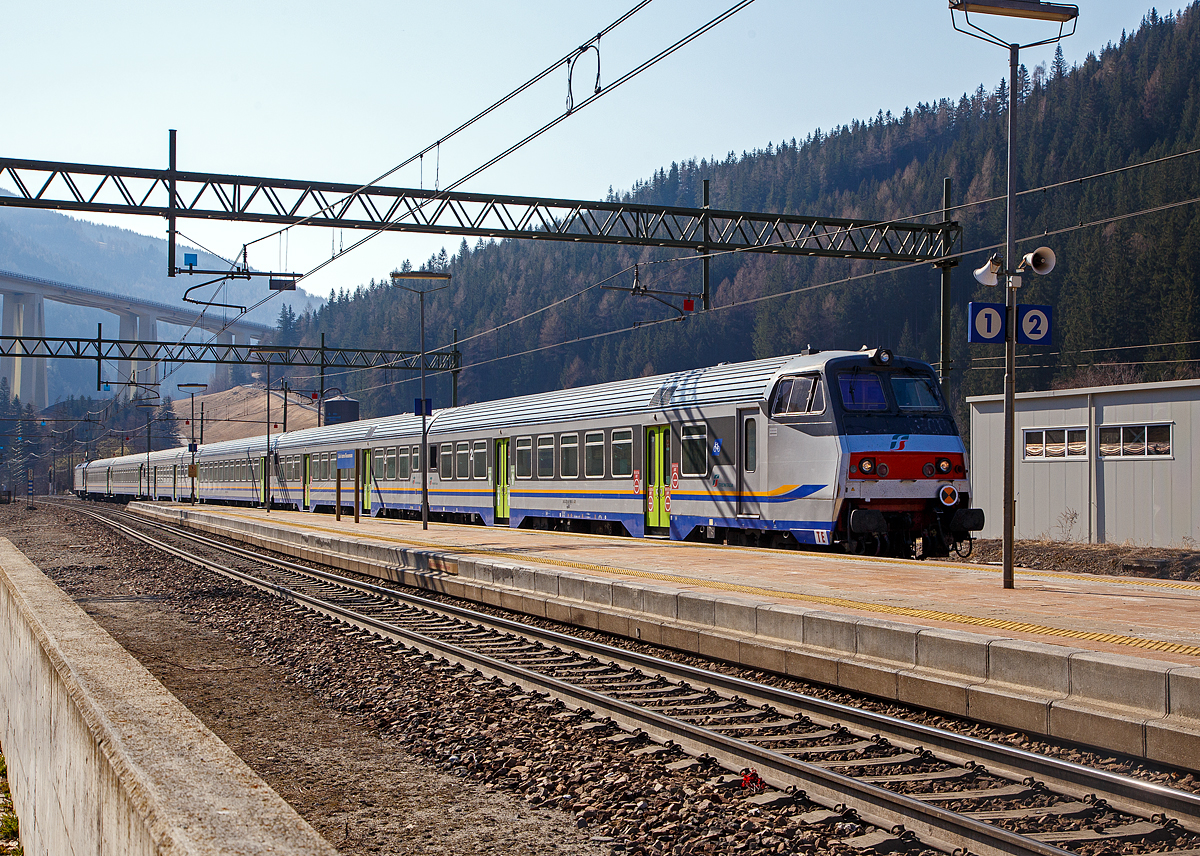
<point x="902" y="400"/>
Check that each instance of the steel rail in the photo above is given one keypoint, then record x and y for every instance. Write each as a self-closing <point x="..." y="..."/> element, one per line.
<point x="934" y="826"/>
<point x="1145" y="799"/>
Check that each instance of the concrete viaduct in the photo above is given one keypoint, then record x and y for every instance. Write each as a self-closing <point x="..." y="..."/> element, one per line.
<point x="24" y="315"/>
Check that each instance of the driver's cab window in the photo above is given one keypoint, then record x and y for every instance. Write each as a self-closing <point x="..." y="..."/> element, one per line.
<point x="798" y="396"/>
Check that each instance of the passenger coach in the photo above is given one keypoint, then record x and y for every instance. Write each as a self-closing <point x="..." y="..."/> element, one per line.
<point x="851" y="448"/>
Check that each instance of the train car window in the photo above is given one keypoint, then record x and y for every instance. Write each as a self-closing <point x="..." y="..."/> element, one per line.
<point x="479" y="462"/>
<point x="861" y="391"/>
<point x="694" y="447"/>
<point x="402" y="461"/>
<point x="463" y="463"/>
<point x="545" y="458"/>
<point x="524" y="457"/>
<point x="593" y="455"/>
<point x="622" y="452"/>
<point x="795" y="396"/>
<point x="389" y="466"/>
<point x="378" y="458"/>
<point x="324" y="466"/>
<point x="916" y="392"/>
<point x="750" y="450"/>
<point x="568" y="456"/>
<point x="446" y="459"/>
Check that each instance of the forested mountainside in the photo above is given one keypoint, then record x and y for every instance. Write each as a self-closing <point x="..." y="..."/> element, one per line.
<point x="1120" y="282"/>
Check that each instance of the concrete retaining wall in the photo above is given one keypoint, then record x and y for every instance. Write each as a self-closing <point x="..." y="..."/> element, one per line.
<point x="1135" y="706"/>
<point x="102" y="759"/>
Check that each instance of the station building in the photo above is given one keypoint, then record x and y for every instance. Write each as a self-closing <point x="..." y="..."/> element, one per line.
<point x="1105" y="464"/>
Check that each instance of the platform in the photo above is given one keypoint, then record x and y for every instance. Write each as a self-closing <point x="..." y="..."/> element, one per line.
<point x="1112" y="662"/>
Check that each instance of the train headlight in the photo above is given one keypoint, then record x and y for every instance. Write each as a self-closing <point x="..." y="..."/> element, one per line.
<point x="948" y="495"/>
<point x="928" y="470"/>
<point x="866" y="466"/>
<point x="943" y="466"/>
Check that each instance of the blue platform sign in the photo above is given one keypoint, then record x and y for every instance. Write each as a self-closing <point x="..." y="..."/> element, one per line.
<point x="190" y="259"/>
<point x="345" y="459"/>
<point x="985" y="323"/>
<point x="422" y="406"/>
<point x="1035" y="324"/>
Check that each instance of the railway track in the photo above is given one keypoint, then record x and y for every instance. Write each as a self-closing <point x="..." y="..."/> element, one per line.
<point x="917" y="786"/>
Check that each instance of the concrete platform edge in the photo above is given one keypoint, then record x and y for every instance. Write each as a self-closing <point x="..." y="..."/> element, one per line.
<point x="1116" y="703"/>
<point x="102" y="758"/>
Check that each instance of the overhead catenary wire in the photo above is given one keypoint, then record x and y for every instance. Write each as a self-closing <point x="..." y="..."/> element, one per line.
<point x="420" y="156"/>
<point x="661" y="55"/>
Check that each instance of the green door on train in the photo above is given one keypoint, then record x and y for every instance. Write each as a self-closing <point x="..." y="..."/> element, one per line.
<point x="500" y="473"/>
<point x="306" y="477"/>
<point x="366" y="481"/>
<point x="658" y="477"/>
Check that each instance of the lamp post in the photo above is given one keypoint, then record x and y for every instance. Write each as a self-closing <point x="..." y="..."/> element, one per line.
<point x="424" y="278"/>
<point x="1062" y="14"/>
<point x="191" y="389"/>
<point x="148" y="405"/>
<point x="264" y="352"/>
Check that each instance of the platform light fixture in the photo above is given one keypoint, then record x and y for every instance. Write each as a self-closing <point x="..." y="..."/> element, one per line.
<point x="424" y="278"/>
<point x="1037" y="261"/>
<point x="191" y="389"/>
<point x="264" y="353"/>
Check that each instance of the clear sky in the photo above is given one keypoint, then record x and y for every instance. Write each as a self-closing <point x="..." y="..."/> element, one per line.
<point x="344" y="91"/>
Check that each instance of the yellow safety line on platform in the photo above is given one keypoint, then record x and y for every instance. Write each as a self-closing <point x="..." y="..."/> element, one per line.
<point x="906" y="611"/>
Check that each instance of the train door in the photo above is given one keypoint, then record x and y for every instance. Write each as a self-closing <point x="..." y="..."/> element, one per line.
<point x="501" y="481"/>
<point x="306" y="475"/>
<point x="366" y="481"/>
<point x="260" y="479"/>
<point x="658" y="477"/>
<point x="748" y="468"/>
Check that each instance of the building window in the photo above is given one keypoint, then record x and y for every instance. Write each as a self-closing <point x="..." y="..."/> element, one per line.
<point x="593" y="455"/>
<point x="1050" y="443"/>
<point x="1135" y="441"/>
<point x="545" y="458"/>
<point x="568" y="456"/>
<point x="524" y="457"/>
<point x="622" y="452"/>
<point x="479" y="454"/>
<point x="694" y="447"/>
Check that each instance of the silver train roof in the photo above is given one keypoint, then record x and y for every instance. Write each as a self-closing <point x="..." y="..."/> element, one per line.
<point x="723" y="384"/>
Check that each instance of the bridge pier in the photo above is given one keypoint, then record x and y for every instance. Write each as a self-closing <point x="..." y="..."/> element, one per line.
<point x="147" y="372"/>
<point x="25" y="315"/>
<point x="128" y="332"/>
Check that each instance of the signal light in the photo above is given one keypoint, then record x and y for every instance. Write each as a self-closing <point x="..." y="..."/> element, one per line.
<point x="882" y="470"/>
<point x="943" y="466"/>
<point x="866" y="466"/>
<point x="927" y="470"/>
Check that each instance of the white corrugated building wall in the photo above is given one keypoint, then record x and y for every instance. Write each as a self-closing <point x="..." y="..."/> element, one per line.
<point x="1108" y="464"/>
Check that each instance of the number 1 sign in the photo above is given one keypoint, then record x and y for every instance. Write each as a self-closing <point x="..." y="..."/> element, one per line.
<point x="985" y="323"/>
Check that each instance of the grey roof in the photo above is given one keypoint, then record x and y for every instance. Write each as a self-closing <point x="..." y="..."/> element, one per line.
<point x="726" y="383"/>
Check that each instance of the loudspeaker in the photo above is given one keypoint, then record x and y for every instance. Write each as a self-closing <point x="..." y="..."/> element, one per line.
<point x="1040" y="261"/>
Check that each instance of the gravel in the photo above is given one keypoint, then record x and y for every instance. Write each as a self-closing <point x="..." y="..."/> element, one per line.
<point x="383" y="751"/>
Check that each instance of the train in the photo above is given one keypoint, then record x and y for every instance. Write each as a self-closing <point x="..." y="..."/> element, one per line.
<point x="856" y="450"/>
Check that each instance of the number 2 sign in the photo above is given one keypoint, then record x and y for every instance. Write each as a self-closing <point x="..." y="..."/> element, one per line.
<point x="1034" y="324"/>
